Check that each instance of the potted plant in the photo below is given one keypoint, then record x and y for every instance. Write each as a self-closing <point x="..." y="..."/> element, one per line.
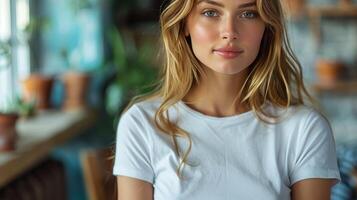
<point x="10" y="112"/>
<point x="76" y="79"/>
<point x="328" y="67"/>
<point x="8" y="115"/>
<point x="8" y="119"/>
<point x="345" y="2"/>
<point x="329" y="71"/>
<point x="37" y="89"/>
<point x="11" y="107"/>
<point x="76" y="85"/>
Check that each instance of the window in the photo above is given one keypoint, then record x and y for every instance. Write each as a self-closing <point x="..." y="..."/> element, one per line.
<point x="14" y="18"/>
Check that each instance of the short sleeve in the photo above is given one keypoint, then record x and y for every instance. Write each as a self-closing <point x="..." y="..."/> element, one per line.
<point x="133" y="147"/>
<point x="315" y="151"/>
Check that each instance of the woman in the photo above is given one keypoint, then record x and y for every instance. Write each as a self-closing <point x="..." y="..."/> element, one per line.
<point x="228" y="120"/>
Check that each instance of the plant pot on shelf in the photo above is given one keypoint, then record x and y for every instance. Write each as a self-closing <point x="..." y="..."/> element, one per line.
<point x="8" y="135"/>
<point x="38" y="88"/>
<point x="76" y="86"/>
<point x="345" y="2"/>
<point x="328" y="71"/>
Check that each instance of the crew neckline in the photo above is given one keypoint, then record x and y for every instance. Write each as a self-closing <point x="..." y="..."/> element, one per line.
<point x="238" y="118"/>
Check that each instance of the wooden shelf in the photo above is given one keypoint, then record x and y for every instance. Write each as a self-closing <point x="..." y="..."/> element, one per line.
<point x="315" y="14"/>
<point x="344" y="87"/>
<point x="38" y="136"/>
<point x="333" y="11"/>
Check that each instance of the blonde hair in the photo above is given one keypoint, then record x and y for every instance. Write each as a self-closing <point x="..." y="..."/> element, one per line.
<point x="276" y="76"/>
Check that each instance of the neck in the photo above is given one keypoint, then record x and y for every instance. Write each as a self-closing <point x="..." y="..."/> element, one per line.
<point x="217" y="95"/>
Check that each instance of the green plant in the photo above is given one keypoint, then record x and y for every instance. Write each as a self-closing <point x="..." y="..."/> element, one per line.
<point x="25" y="109"/>
<point x="124" y="6"/>
<point x="5" y="53"/>
<point x="6" y="105"/>
<point x="12" y="105"/>
<point x="135" y="67"/>
<point x="17" y="106"/>
<point x="78" y="5"/>
<point x="35" y="25"/>
<point x="64" y="53"/>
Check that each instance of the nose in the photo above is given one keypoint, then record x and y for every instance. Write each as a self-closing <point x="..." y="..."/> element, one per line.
<point x="229" y="29"/>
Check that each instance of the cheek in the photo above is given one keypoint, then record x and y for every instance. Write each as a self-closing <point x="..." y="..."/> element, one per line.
<point x="254" y="37"/>
<point x="201" y="35"/>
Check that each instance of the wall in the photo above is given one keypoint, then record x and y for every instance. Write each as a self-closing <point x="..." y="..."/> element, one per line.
<point x="338" y="41"/>
<point x="75" y="29"/>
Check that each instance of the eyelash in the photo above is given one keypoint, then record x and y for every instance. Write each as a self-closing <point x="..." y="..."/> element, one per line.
<point x="210" y="11"/>
<point x="253" y="13"/>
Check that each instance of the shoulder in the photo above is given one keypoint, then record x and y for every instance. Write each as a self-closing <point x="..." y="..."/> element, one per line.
<point x="309" y="117"/>
<point x="306" y="123"/>
<point x="146" y="107"/>
<point x="298" y="114"/>
<point x="139" y="116"/>
<point x="149" y="106"/>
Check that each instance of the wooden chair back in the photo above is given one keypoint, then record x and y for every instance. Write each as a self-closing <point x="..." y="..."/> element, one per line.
<point x="97" y="167"/>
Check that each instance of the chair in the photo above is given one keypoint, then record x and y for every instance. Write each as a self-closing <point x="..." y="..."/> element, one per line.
<point x="97" y="167"/>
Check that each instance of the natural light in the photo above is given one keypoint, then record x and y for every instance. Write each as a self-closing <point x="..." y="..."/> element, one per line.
<point x="14" y="17"/>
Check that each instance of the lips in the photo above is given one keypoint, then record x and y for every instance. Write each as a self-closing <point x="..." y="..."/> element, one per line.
<point x="228" y="52"/>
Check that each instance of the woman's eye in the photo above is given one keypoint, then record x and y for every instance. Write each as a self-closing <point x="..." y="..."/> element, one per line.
<point x="249" y="14"/>
<point x="210" y="13"/>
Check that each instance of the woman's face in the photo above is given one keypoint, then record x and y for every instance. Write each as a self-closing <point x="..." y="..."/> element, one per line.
<point x="225" y="34"/>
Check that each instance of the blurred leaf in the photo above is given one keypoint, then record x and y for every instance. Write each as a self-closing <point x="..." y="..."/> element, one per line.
<point x="36" y="25"/>
<point x="135" y="71"/>
<point x="5" y="53"/>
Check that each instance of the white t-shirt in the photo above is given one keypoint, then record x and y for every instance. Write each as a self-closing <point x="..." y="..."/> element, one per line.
<point x="235" y="157"/>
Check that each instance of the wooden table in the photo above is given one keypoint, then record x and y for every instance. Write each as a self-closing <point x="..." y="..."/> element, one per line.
<point x="38" y="136"/>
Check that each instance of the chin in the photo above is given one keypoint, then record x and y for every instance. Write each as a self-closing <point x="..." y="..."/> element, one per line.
<point x="229" y="70"/>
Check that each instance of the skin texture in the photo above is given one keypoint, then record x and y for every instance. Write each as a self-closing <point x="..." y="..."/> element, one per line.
<point x="312" y="189"/>
<point x="210" y="26"/>
<point x="134" y="189"/>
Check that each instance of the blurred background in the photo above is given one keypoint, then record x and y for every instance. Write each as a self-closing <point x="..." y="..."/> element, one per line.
<point x="68" y="68"/>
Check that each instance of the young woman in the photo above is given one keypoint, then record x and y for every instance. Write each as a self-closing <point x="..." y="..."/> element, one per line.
<point x="229" y="119"/>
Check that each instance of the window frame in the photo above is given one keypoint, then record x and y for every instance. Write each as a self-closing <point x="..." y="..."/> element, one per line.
<point x="10" y="87"/>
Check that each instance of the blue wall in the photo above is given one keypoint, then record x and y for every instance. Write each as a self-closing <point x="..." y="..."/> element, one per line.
<point x="78" y="30"/>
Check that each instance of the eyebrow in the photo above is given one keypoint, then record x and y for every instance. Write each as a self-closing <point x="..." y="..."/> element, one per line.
<point x="244" y="5"/>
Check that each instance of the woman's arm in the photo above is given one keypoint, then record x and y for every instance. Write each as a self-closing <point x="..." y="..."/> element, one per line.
<point x="134" y="189"/>
<point x="312" y="189"/>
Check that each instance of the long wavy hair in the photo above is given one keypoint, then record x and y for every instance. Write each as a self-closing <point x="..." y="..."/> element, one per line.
<point x="275" y="76"/>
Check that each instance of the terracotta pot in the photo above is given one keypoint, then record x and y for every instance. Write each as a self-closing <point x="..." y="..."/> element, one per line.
<point x="328" y="71"/>
<point x="76" y="86"/>
<point x="8" y="133"/>
<point x="345" y="2"/>
<point x="38" y="88"/>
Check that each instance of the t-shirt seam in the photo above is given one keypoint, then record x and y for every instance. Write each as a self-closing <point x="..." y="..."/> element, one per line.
<point x="133" y="172"/>
<point x="329" y="171"/>
<point x="209" y="120"/>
